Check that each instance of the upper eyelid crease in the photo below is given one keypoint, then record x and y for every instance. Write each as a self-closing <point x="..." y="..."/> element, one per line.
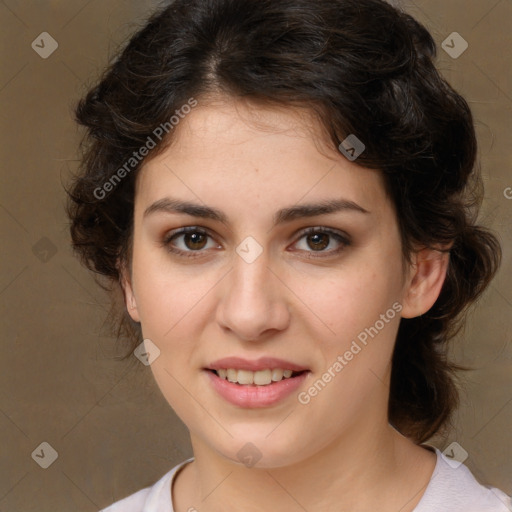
<point x="170" y="205"/>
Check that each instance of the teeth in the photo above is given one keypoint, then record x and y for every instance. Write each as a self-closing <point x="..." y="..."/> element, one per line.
<point x="260" y="378"/>
<point x="245" y="377"/>
<point x="277" y="374"/>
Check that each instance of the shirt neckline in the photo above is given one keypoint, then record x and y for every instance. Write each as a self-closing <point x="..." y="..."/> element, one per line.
<point x="177" y="469"/>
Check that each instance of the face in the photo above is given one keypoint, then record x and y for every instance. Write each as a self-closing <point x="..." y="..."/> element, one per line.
<point x="255" y="243"/>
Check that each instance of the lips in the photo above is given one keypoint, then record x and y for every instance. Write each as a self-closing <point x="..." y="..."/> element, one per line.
<point x="246" y="383"/>
<point x="263" y="363"/>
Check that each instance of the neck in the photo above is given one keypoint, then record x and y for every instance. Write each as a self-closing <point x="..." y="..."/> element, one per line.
<point x="370" y="468"/>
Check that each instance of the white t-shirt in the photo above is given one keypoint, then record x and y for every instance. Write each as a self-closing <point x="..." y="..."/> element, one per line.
<point x="451" y="489"/>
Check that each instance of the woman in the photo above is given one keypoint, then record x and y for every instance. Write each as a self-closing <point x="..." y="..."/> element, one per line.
<point x="285" y="192"/>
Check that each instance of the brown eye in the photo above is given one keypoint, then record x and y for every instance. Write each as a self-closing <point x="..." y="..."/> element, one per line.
<point x="322" y="242"/>
<point x="318" y="241"/>
<point x="189" y="241"/>
<point x="195" y="241"/>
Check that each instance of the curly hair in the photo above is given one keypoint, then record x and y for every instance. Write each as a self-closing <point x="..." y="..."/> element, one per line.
<point x="362" y="67"/>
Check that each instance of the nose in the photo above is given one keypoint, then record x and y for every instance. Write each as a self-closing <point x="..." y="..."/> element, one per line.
<point x="253" y="302"/>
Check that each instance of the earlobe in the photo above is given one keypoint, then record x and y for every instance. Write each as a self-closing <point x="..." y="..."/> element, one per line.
<point x="128" y="293"/>
<point x="425" y="281"/>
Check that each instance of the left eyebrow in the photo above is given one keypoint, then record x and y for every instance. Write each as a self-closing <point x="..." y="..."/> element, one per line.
<point x="170" y="205"/>
<point x="312" y="210"/>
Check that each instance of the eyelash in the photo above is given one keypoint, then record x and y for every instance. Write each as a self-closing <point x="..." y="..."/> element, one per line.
<point x="344" y="240"/>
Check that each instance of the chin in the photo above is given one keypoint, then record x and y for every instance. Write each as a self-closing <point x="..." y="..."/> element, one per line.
<point x="262" y="452"/>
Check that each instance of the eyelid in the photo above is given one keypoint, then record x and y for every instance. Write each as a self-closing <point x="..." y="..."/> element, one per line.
<point x="324" y="229"/>
<point x="343" y="238"/>
<point x="190" y="229"/>
<point x="187" y="229"/>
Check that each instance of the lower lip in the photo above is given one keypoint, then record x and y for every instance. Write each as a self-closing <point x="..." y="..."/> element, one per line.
<point x="252" y="396"/>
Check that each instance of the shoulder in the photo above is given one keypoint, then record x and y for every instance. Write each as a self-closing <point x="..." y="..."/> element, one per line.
<point x="155" y="498"/>
<point x="454" y="488"/>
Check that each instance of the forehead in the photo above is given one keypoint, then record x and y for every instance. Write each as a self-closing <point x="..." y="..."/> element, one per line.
<point x="232" y="149"/>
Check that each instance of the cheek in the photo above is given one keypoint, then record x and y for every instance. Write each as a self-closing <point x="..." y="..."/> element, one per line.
<point x="357" y="307"/>
<point x="165" y="295"/>
<point x="362" y="311"/>
<point x="349" y="301"/>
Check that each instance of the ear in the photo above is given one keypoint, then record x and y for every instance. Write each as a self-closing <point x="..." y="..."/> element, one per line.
<point x="128" y="293"/>
<point x="425" y="280"/>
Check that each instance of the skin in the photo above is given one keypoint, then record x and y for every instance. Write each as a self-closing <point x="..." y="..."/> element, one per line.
<point x="294" y="302"/>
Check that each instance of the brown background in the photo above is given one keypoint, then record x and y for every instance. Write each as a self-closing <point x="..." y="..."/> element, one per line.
<point x="59" y="383"/>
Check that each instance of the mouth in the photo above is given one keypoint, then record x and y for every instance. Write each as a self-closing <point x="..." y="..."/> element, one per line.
<point x="260" y="383"/>
<point x="265" y="377"/>
<point x="241" y="392"/>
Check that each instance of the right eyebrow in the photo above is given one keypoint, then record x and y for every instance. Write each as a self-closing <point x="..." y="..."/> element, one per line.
<point x="169" y="205"/>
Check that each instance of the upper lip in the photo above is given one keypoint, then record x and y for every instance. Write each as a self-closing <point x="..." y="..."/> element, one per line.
<point x="255" y="365"/>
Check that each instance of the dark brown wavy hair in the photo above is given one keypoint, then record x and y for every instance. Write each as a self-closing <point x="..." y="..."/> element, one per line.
<point x="362" y="67"/>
